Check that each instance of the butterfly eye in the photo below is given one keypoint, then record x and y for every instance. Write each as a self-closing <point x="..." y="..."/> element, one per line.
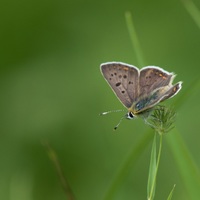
<point x="130" y="115"/>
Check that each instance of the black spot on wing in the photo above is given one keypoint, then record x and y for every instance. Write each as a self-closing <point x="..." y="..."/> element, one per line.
<point x="125" y="76"/>
<point x="118" y="84"/>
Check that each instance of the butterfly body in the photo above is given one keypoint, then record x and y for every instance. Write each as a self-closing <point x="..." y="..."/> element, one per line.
<point x="139" y="90"/>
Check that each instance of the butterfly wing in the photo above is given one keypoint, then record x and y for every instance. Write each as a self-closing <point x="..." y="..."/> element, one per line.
<point x="123" y="79"/>
<point x="152" y="78"/>
<point x="156" y="96"/>
<point x="172" y="91"/>
<point x="155" y="85"/>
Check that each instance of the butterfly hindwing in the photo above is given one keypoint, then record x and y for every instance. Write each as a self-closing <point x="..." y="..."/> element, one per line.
<point x="172" y="91"/>
<point x="158" y="95"/>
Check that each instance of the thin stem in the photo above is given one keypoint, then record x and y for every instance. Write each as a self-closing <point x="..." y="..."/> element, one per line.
<point x="134" y="39"/>
<point x="157" y="165"/>
<point x="127" y="165"/>
<point x="55" y="161"/>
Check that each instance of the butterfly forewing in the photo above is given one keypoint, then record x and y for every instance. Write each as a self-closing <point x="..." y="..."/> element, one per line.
<point x="152" y="78"/>
<point x="123" y="79"/>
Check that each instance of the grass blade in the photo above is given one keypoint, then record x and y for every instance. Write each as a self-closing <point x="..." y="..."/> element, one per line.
<point x="127" y="165"/>
<point x="193" y="11"/>
<point x="152" y="172"/>
<point x="171" y="193"/>
<point x="134" y="39"/>
<point x="186" y="166"/>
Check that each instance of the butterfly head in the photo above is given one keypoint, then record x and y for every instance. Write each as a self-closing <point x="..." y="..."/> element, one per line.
<point x="130" y="115"/>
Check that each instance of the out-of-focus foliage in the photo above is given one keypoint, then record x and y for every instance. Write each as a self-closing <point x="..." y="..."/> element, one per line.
<point x="52" y="90"/>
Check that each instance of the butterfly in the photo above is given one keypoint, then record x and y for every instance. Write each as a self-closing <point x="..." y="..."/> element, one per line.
<point x="139" y="90"/>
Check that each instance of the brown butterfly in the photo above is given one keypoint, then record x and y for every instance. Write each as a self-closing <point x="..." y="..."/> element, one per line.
<point x="139" y="90"/>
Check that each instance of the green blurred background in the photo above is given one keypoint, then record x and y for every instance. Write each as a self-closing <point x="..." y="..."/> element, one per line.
<point x="52" y="90"/>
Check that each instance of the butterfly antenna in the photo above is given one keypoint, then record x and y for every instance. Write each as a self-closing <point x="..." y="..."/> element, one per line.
<point x="111" y="111"/>
<point x="119" y="122"/>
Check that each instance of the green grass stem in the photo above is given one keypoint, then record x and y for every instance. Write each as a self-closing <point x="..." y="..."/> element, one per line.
<point x="154" y="164"/>
<point x="193" y="11"/>
<point x="134" y="39"/>
<point x="128" y="165"/>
